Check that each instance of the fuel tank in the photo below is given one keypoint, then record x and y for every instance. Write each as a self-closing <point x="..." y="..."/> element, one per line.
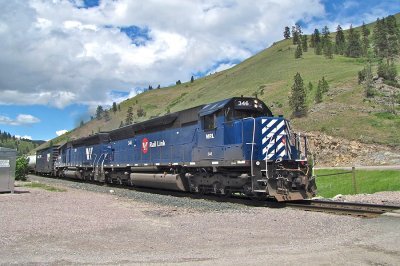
<point x="157" y="180"/>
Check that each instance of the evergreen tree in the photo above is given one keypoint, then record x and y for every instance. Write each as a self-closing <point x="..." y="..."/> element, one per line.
<point x="324" y="85"/>
<point x="119" y="108"/>
<point x="317" y="37"/>
<point x="318" y="49"/>
<point x="158" y="86"/>
<point x="114" y="107"/>
<point x="317" y="42"/>
<point x="296" y="33"/>
<point x="353" y="48"/>
<point x="369" y="83"/>
<point x="387" y="72"/>
<point x="304" y="44"/>
<point x="297" y="99"/>
<point x="310" y="86"/>
<point x="286" y="33"/>
<point x="150" y="87"/>
<point x="325" y="36"/>
<point x="129" y="116"/>
<point x="365" y="39"/>
<point x="318" y="94"/>
<point x="312" y="41"/>
<point x="192" y="79"/>
<point x="379" y="39"/>
<point x="81" y="124"/>
<point x="393" y="38"/>
<point x="178" y="82"/>
<point x="340" y="41"/>
<point x="99" y="112"/>
<point x="298" y="53"/>
<point x="328" y="49"/>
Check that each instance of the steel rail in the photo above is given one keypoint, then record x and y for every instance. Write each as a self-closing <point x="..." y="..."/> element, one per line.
<point x="343" y="208"/>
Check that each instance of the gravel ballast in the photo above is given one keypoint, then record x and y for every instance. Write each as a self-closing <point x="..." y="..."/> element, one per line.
<point x="89" y="225"/>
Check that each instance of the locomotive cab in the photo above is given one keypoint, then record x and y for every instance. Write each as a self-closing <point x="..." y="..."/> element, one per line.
<point x="242" y="134"/>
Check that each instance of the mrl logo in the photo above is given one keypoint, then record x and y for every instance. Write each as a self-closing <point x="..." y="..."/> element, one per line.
<point x="210" y="136"/>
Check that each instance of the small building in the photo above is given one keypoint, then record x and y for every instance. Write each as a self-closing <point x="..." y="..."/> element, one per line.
<point x="7" y="169"/>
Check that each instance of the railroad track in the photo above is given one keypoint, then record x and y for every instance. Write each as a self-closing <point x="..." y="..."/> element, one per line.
<point x="343" y="208"/>
<point x="334" y="207"/>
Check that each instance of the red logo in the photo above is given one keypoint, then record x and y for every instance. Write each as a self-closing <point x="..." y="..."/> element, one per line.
<point x="145" y="145"/>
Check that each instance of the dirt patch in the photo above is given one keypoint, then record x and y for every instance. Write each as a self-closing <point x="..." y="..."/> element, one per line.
<point x="83" y="227"/>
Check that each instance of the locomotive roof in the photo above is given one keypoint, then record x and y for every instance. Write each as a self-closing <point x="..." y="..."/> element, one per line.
<point x="48" y="148"/>
<point x="90" y="140"/>
<point x="172" y="120"/>
<point x="213" y="107"/>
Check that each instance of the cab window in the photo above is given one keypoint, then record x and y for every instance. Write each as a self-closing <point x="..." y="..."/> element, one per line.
<point x="209" y="122"/>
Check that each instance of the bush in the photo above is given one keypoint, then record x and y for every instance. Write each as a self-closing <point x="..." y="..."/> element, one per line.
<point x="21" y="168"/>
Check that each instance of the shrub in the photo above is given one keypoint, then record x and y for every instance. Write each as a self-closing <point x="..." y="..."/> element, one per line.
<point x="21" y="168"/>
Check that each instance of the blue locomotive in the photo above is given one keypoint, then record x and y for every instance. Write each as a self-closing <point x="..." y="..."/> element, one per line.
<point x="232" y="146"/>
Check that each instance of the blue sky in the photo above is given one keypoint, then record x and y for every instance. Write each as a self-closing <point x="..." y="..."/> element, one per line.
<point x="60" y="59"/>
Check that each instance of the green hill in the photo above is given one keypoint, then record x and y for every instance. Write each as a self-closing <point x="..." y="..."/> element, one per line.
<point x="344" y="111"/>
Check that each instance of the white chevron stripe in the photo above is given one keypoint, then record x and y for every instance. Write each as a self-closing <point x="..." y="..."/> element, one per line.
<point x="263" y="130"/>
<point x="271" y="123"/>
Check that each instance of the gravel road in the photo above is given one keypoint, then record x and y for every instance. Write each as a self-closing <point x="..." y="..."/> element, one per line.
<point x="89" y="225"/>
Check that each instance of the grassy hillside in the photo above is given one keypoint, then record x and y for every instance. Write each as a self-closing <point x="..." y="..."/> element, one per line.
<point x="344" y="111"/>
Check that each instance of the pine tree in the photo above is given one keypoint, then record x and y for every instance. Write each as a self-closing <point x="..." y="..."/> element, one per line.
<point x="325" y="35"/>
<point x="298" y="53"/>
<point x="365" y="39"/>
<point x="379" y="39"/>
<point x="81" y="124"/>
<point x="353" y="48"/>
<point x="318" y="94"/>
<point x="324" y="85"/>
<point x="159" y="86"/>
<point x="192" y="79"/>
<point x="318" y="49"/>
<point x="317" y="42"/>
<point x="286" y="33"/>
<point x="328" y="49"/>
<point x="114" y="107"/>
<point x="317" y="37"/>
<point x="312" y="41"/>
<point x="310" y="86"/>
<point x="369" y="83"/>
<point x="296" y="33"/>
<point x="297" y="99"/>
<point x="393" y="38"/>
<point x="99" y="112"/>
<point x="340" y="41"/>
<point x="304" y="44"/>
<point x="129" y="116"/>
<point x="178" y="82"/>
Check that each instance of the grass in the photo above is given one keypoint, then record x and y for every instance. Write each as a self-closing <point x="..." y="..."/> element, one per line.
<point x="43" y="186"/>
<point x="367" y="181"/>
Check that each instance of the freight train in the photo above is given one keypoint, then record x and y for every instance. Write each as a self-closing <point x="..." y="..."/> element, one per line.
<point x="231" y="146"/>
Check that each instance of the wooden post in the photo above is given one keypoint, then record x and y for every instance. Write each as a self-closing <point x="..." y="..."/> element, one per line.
<point x="353" y="170"/>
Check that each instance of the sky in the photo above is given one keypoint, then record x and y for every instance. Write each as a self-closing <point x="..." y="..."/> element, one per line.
<point x="60" y="59"/>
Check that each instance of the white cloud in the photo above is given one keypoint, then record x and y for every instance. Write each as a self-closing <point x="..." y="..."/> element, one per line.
<point x="21" y="119"/>
<point x="61" y="132"/>
<point x="23" y="137"/>
<point x="53" y="53"/>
